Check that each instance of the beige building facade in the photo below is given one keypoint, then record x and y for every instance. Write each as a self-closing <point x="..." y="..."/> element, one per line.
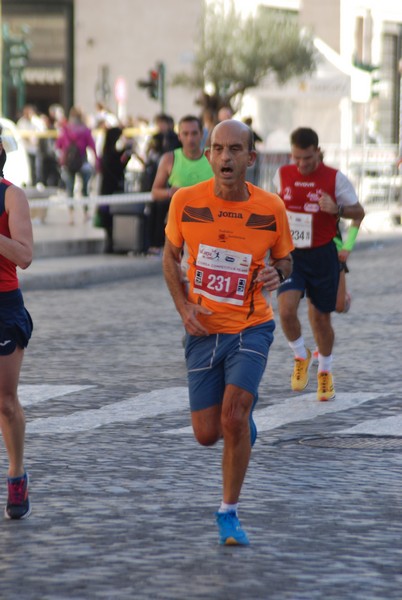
<point x="367" y="34"/>
<point x="84" y="51"/>
<point x="355" y="95"/>
<point x="123" y="40"/>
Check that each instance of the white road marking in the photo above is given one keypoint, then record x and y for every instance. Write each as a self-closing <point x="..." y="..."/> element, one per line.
<point x="34" y="394"/>
<point x="300" y="408"/>
<point x="386" y="426"/>
<point x="164" y="401"/>
<point x="306" y="408"/>
<point x="152" y="404"/>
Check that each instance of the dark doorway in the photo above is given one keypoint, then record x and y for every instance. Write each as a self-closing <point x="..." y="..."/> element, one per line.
<point x="47" y="77"/>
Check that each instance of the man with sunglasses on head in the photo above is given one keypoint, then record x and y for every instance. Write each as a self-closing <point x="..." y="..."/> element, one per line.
<point x="316" y="196"/>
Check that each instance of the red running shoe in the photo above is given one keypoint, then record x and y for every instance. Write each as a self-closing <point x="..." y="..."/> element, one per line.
<point x="18" y="505"/>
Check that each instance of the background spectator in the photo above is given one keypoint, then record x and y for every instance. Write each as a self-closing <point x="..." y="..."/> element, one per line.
<point x="76" y="133"/>
<point x="31" y="122"/>
<point x="112" y="169"/>
<point x="164" y="140"/>
<point x="55" y="119"/>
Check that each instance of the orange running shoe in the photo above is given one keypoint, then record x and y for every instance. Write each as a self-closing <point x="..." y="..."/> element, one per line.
<point x="299" y="378"/>
<point x="325" y="388"/>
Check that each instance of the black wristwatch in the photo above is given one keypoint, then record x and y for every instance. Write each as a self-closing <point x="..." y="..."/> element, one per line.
<point x="281" y="275"/>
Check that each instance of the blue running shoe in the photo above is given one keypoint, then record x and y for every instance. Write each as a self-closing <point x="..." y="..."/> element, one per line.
<point x="230" y="531"/>
<point x="253" y="427"/>
<point x="253" y="430"/>
<point x="18" y="505"/>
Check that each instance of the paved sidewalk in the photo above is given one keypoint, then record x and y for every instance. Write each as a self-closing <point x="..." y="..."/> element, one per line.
<point x="68" y="256"/>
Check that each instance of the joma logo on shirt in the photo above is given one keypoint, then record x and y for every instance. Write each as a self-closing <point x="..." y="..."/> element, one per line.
<point x="231" y="215"/>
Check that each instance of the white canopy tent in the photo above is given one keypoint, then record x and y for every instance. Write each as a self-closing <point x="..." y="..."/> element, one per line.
<point x="322" y="101"/>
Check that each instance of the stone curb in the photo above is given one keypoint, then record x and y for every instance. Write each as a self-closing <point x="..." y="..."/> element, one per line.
<point x="81" y="271"/>
<point x="76" y="271"/>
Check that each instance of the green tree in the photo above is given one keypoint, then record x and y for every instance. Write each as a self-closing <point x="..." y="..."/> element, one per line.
<point x="235" y="53"/>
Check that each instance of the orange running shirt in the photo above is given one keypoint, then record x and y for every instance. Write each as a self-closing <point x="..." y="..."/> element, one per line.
<point x="228" y="243"/>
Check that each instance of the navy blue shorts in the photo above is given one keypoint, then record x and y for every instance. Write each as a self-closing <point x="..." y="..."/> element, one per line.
<point x="217" y="360"/>
<point x="316" y="274"/>
<point x="15" y="322"/>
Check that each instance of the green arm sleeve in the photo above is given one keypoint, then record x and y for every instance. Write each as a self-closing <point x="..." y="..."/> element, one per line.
<point x="351" y="238"/>
<point x="338" y="242"/>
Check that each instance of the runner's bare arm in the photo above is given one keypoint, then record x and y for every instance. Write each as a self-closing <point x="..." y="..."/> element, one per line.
<point x="350" y="211"/>
<point x="277" y="271"/>
<point x="160" y="189"/>
<point x="19" y="247"/>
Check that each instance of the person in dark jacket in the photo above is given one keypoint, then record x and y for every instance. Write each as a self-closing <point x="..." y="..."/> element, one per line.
<point x="164" y="140"/>
<point x="113" y="166"/>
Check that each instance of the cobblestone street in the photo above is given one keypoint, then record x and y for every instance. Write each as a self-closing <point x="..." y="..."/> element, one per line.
<point x="124" y="498"/>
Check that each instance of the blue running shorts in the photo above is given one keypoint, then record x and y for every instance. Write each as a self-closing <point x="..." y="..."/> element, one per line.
<point x="316" y="274"/>
<point x="220" y="359"/>
<point x="15" y="322"/>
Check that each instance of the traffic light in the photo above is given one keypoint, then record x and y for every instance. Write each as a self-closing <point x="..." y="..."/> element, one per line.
<point x="155" y="82"/>
<point x="153" y="89"/>
<point x="375" y="86"/>
<point x="152" y="84"/>
<point x="374" y="70"/>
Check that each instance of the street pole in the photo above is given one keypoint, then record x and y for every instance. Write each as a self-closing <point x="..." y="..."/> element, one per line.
<point x="400" y="106"/>
<point x="162" y="85"/>
<point x="399" y="50"/>
<point x="1" y="59"/>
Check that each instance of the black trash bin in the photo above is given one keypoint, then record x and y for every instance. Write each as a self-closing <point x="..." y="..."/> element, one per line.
<point x="130" y="227"/>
